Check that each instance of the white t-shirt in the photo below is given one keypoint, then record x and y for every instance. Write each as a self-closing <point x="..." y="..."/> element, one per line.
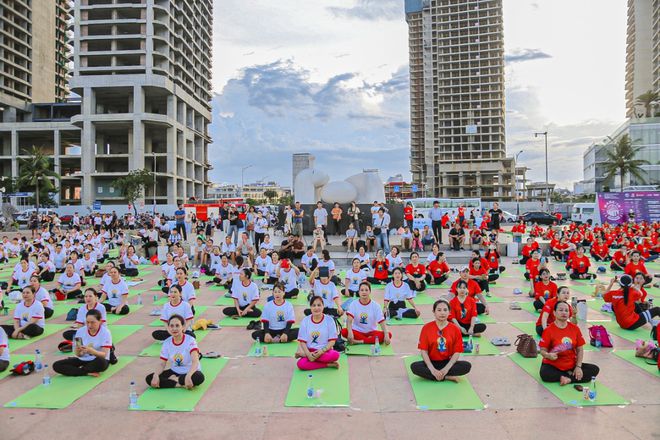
<point x="272" y="268"/>
<point x="365" y="317"/>
<point x="166" y="267"/>
<point x="81" y="317"/>
<point x="69" y="282"/>
<point x="130" y="262"/>
<point x="24" y="314"/>
<point x="88" y="264"/>
<point x="44" y="298"/>
<point x="59" y="258"/>
<point x="278" y="315"/>
<point x="115" y="291"/>
<point x="179" y="355"/>
<point x="394" y="261"/>
<point x="317" y="334"/>
<point x="396" y="294"/>
<point x="4" y="343"/>
<point x="327" y="291"/>
<point x="23" y="278"/>
<point x="102" y="339"/>
<point x="187" y="291"/>
<point x="47" y="266"/>
<point x="306" y="260"/>
<point x="183" y="309"/>
<point x="321" y="215"/>
<point x="263" y="263"/>
<point x="245" y="294"/>
<point x="260" y="226"/>
<point x="268" y="246"/>
<point x="363" y="258"/>
<point x="224" y="272"/>
<point x="355" y="278"/>
<point x="329" y="264"/>
<point x="289" y="278"/>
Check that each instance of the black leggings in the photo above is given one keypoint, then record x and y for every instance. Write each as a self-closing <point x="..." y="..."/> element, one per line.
<point x="166" y="381"/>
<point x="231" y="311"/>
<point x="430" y="279"/>
<point x="538" y="305"/>
<point x="124" y="310"/>
<point x="483" y="284"/>
<point x="645" y="316"/>
<point x="326" y="311"/>
<point x="422" y="286"/>
<point x="291" y="334"/>
<point x="47" y="276"/>
<point x="32" y="330"/>
<point x="4" y="365"/>
<point x="597" y="258"/>
<point x="161" y="335"/>
<point x="551" y="373"/>
<point x="75" y="367"/>
<point x="578" y="276"/>
<point x="478" y="328"/>
<point x="374" y="280"/>
<point x="48" y="312"/>
<point x="393" y="306"/>
<point x="481" y="309"/>
<point x="291" y="293"/>
<point x="129" y="271"/>
<point x="74" y="294"/>
<point x="460" y="368"/>
<point x="349" y="293"/>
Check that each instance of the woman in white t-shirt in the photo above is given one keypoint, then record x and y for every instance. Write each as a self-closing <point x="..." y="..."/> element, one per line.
<point x="114" y="294"/>
<point x="29" y="318"/>
<point x="363" y="318"/>
<point x="4" y="350"/>
<point x="394" y="259"/>
<point x="91" y="345"/>
<point x="181" y="353"/>
<point x="316" y="339"/>
<point x="397" y="292"/>
<point x="288" y="274"/>
<point x="46" y="267"/>
<point x="351" y="238"/>
<point x="187" y="289"/>
<point x="327" y="290"/>
<point x="364" y="258"/>
<point x="42" y="295"/>
<point x="176" y="306"/>
<point x="129" y="263"/>
<point x="91" y="302"/>
<point x="21" y="276"/>
<point x="69" y="282"/>
<point x="277" y="318"/>
<point x="245" y="294"/>
<point x="354" y="276"/>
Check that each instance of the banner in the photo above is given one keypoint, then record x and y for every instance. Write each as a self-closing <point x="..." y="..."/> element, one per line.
<point x="615" y="208"/>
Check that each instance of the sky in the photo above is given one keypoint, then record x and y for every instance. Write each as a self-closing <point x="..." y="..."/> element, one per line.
<point x="330" y="77"/>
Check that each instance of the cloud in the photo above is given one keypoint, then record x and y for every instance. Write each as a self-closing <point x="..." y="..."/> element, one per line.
<point x="522" y="55"/>
<point x="371" y="10"/>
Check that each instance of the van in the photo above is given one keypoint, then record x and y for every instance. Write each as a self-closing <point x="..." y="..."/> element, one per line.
<point x="585" y="213"/>
<point x="24" y="216"/>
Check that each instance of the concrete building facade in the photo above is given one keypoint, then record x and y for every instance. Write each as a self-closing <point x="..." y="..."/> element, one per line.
<point x="299" y="162"/>
<point x="457" y="99"/>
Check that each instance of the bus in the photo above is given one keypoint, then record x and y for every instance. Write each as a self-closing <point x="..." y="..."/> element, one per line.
<point x="422" y="206"/>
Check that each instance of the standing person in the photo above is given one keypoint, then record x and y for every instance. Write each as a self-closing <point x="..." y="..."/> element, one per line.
<point x="354" y="216"/>
<point x="180" y="218"/>
<point x="321" y="218"/>
<point x="288" y="220"/>
<point x="435" y="214"/>
<point x="336" y="213"/>
<point x="297" y="218"/>
<point x="260" y="229"/>
<point x="496" y="216"/>
<point x="408" y="215"/>
<point x="381" y="230"/>
<point x="232" y="215"/>
<point x="374" y="211"/>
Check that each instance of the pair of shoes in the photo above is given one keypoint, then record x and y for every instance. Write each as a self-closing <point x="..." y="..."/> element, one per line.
<point x="500" y="341"/>
<point x="514" y="306"/>
<point x="212" y="355"/>
<point x="252" y="325"/>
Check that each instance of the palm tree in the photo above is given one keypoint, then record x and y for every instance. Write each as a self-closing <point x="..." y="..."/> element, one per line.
<point x="622" y="160"/>
<point x="35" y="171"/>
<point x="647" y="100"/>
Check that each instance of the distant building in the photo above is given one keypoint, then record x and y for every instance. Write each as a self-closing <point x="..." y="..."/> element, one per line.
<point x="300" y="161"/>
<point x="226" y="191"/>
<point x="538" y="191"/>
<point x="642" y="53"/>
<point x="397" y="189"/>
<point x="257" y="191"/>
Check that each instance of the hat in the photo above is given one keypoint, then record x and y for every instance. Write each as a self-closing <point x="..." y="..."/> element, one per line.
<point x="625" y="281"/>
<point x="285" y="264"/>
<point x="463" y="269"/>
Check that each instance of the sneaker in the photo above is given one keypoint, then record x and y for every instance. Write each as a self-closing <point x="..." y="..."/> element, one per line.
<point x="399" y="314"/>
<point x="155" y="312"/>
<point x="227" y="295"/>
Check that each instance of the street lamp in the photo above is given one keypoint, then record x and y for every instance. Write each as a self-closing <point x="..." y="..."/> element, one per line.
<point x="242" y="173"/>
<point x="515" y="160"/>
<point x="547" y="185"/>
<point x="154" y="172"/>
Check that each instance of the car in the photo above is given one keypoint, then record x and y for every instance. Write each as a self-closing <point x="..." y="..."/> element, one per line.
<point x="540" y="217"/>
<point x="24" y="216"/>
<point x="66" y="219"/>
<point x="509" y="217"/>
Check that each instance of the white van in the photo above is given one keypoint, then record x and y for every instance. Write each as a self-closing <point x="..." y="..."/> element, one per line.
<point x="585" y="213"/>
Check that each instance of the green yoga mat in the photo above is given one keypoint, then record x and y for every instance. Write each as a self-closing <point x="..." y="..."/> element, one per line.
<point x="528" y="306"/>
<point x="222" y="301"/>
<point x="424" y="299"/>
<point x="587" y="289"/>
<point x="445" y="395"/>
<point x="51" y="329"/>
<point x="486" y="348"/>
<point x="63" y="391"/>
<point x="567" y="394"/>
<point x="13" y="360"/>
<point x="300" y="300"/>
<point x="331" y="386"/>
<point x="630" y="335"/>
<point x="156" y="288"/>
<point x="111" y="318"/>
<point x="92" y="281"/>
<point x="530" y="329"/>
<point x="287" y="349"/>
<point x="406" y="321"/>
<point x="238" y="322"/>
<point x="181" y="399"/>
<point x="629" y="356"/>
<point x="494" y="299"/>
<point x="121" y="332"/>
<point x="154" y="349"/>
<point x="198" y="312"/>
<point x="486" y="319"/>
<point x="365" y="350"/>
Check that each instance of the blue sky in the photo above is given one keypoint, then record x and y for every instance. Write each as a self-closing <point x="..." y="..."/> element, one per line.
<point x="330" y="77"/>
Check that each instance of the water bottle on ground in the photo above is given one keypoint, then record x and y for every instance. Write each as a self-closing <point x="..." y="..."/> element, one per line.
<point x="310" y="387"/>
<point x="257" y="348"/>
<point x="132" y="396"/>
<point x="46" y="379"/>
<point x="38" y="364"/>
<point x="599" y="343"/>
<point x="592" y="389"/>
<point x="377" y="347"/>
<point x="139" y="299"/>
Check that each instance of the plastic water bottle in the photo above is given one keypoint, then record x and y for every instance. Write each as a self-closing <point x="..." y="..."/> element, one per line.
<point x="592" y="389"/>
<point x="470" y="342"/>
<point x="599" y="343"/>
<point x="132" y="396"/>
<point x="38" y="364"/>
<point x="139" y="299"/>
<point x="257" y="348"/>
<point x="46" y="379"/>
<point x="387" y="314"/>
<point x="310" y="387"/>
<point x="377" y="347"/>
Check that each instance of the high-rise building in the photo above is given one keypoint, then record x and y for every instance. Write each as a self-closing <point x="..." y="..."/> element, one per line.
<point x="33" y="54"/>
<point x="642" y="53"/>
<point x="457" y="99"/>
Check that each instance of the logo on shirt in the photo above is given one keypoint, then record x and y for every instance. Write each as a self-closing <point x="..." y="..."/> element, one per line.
<point x="324" y="294"/>
<point x="280" y="316"/>
<point x="315" y="336"/>
<point x="363" y="318"/>
<point x="442" y="344"/>
<point x="244" y="296"/>
<point x="177" y="359"/>
<point x="567" y="342"/>
<point x="546" y="294"/>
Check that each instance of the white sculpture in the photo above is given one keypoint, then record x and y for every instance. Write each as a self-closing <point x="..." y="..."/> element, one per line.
<point x="312" y="185"/>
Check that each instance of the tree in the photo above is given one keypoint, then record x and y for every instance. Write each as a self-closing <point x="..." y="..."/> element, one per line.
<point x="622" y="160"/>
<point x="647" y="100"/>
<point x="133" y="184"/>
<point x="286" y="200"/>
<point x="35" y="172"/>
<point x="270" y="194"/>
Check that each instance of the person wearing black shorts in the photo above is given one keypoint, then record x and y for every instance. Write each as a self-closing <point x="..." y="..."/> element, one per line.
<point x="496" y="215"/>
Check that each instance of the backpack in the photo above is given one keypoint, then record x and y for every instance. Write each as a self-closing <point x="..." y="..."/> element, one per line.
<point x="23" y="368"/>
<point x="72" y="314"/>
<point x="526" y="346"/>
<point x="599" y="333"/>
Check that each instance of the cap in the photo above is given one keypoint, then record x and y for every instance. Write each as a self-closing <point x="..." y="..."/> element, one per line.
<point x="463" y="269"/>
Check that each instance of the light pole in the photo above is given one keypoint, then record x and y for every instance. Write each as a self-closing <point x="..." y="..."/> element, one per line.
<point x="514" y="174"/>
<point x="154" y="154"/>
<point x="242" y="172"/>
<point x="547" y="185"/>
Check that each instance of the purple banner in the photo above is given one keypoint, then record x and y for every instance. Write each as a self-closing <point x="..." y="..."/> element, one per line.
<point x="615" y="207"/>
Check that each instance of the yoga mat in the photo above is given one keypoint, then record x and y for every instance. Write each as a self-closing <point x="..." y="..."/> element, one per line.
<point x="630" y="335"/>
<point x="90" y="282"/>
<point x="287" y="349"/>
<point x="51" y="329"/>
<point x="528" y="306"/>
<point x="198" y="312"/>
<point x="365" y="350"/>
<point x="63" y="391"/>
<point x="567" y="394"/>
<point x="424" y="299"/>
<point x="16" y="359"/>
<point x="121" y="332"/>
<point x="238" y="322"/>
<point x="181" y="399"/>
<point x="300" y="300"/>
<point x="494" y="299"/>
<point x="111" y="318"/>
<point x="584" y="289"/>
<point x="222" y="301"/>
<point x="530" y="329"/>
<point x="629" y="356"/>
<point x="406" y="321"/>
<point x="486" y="348"/>
<point x="154" y="349"/>
<point x="486" y="319"/>
<point x="156" y="288"/>
<point x="445" y="395"/>
<point x="331" y="384"/>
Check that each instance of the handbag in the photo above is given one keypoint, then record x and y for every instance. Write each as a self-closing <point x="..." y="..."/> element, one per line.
<point x="526" y="346"/>
<point x="599" y="333"/>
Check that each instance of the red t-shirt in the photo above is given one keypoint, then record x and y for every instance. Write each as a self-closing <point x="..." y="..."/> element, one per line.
<point x="601" y="251"/>
<point x="570" y="339"/>
<point x="416" y="270"/>
<point x="532" y="266"/>
<point x="625" y="313"/>
<point x="632" y="268"/>
<point x="543" y="291"/>
<point x="440" y="344"/>
<point x="462" y="312"/>
<point x="580" y="264"/>
<point x="438" y="269"/>
<point x="493" y="260"/>
<point x="549" y="309"/>
<point x="380" y="269"/>
<point x="408" y="213"/>
<point x="477" y="272"/>
<point x="620" y="258"/>
<point x="472" y="285"/>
